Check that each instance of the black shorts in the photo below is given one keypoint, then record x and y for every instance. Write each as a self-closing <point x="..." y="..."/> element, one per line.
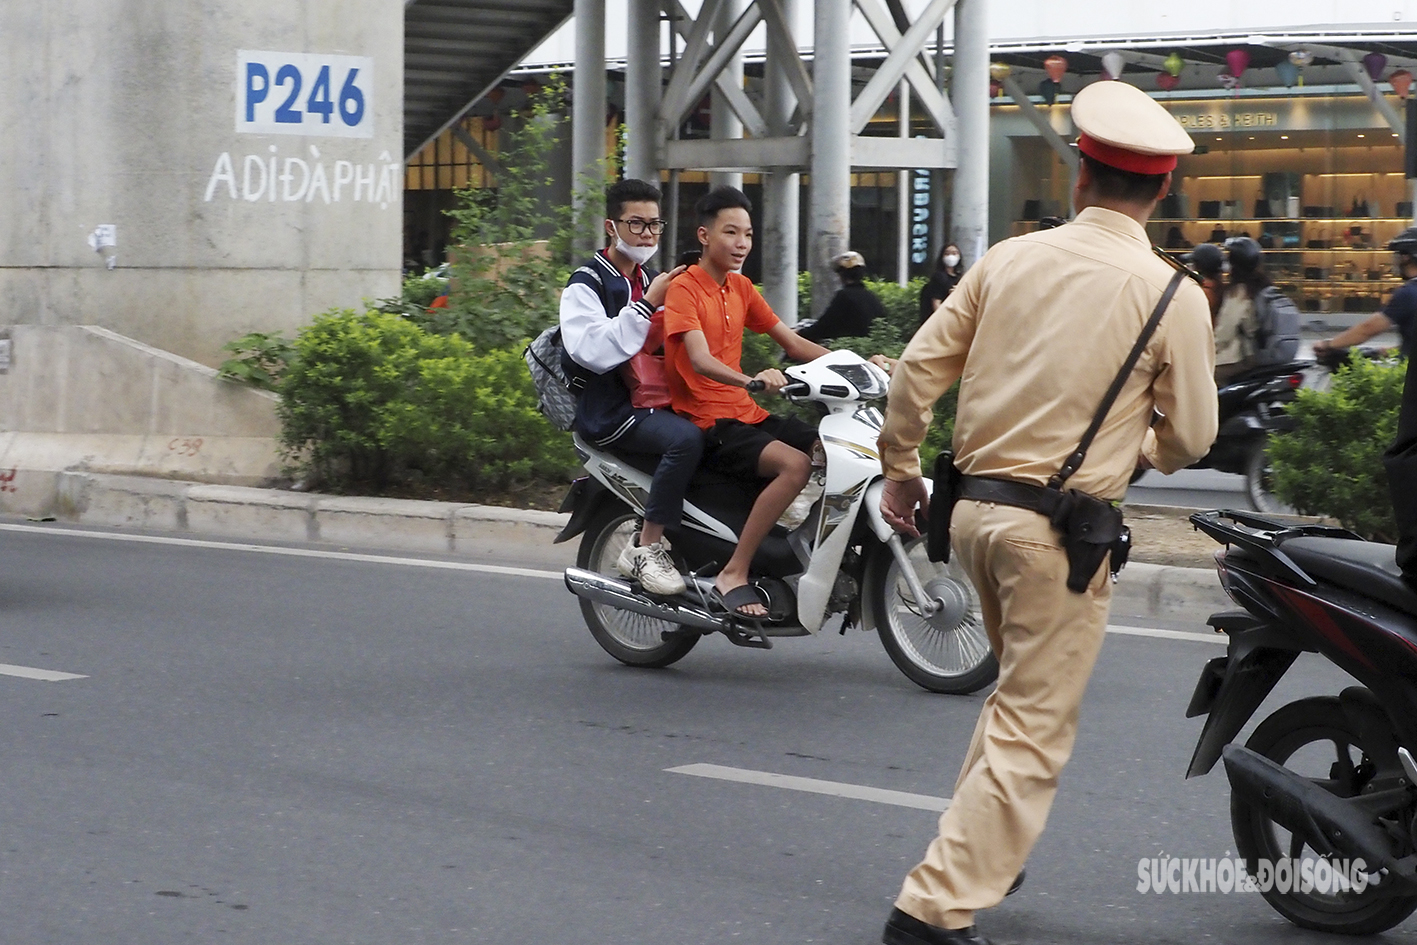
<point x="733" y="447"/>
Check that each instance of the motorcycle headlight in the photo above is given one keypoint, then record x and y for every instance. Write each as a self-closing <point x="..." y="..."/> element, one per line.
<point x="863" y="378"/>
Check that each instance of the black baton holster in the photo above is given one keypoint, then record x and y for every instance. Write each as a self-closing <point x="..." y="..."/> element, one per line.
<point x="942" y="503"/>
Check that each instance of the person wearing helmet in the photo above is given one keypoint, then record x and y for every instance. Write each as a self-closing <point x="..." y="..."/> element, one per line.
<point x="1256" y="324"/>
<point x="852" y="309"/>
<point x="1400" y="312"/>
<point x="1208" y="260"/>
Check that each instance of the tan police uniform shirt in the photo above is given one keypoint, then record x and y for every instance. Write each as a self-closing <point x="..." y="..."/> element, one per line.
<point x="1035" y="332"/>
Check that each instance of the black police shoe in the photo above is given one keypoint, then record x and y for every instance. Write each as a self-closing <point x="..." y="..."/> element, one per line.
<point x="1017" y="883"/>
<point x="903" y="929"/>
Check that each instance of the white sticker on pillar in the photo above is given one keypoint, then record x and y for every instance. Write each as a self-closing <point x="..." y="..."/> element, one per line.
<point x="281" y="93"/>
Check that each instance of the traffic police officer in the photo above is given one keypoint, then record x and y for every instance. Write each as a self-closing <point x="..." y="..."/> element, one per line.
<point x="1036" y="332"/>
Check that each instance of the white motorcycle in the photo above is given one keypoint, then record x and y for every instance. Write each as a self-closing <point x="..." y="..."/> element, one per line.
<point x="842" y="559"/>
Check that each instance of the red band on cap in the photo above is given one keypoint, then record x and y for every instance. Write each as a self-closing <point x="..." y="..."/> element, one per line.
<point x="1125" y="160"/>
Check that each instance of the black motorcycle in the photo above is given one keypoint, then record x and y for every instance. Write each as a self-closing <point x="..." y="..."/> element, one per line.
<point x="1251" y="410"/>
<point x="1323" y="804"/>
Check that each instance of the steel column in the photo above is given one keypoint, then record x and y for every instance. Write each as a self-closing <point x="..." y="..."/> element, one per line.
<point x="830" y="229"/>
<point x="723" y="122"/>
<point x="643" y="133"/>
<point x="781" y="189"/>
<point x="902" y="189"/>
<point x="588" y="124"/>
<point x="971" y="103"/>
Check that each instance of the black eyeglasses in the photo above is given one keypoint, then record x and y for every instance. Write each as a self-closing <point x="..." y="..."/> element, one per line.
<point x="638" y="226"/>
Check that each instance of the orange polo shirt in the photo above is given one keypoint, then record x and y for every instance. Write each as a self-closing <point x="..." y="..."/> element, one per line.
<point x="696" y="302"/>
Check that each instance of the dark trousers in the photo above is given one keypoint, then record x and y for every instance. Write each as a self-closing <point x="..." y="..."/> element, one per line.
<point x="679" y="445"/>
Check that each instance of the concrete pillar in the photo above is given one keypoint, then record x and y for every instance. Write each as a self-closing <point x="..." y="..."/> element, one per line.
<point x="971" y="102"/>
<point x="642" y="92"/>
<point x="902" y="189"/>
<point x="830" y="228"/>
<point x="224" y="220"/>
<point x="781" y="190"/>
<point x="724" y="122"/>
<point x="588" y="125"/>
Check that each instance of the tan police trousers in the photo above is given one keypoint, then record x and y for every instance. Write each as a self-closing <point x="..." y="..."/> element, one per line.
<point x="1046" y="639"/>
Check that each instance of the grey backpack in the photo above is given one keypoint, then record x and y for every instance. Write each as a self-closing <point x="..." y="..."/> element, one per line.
<point x="557" y="400"/>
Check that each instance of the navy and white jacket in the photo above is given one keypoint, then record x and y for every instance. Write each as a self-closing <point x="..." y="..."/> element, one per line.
<point x="601" y="329"/>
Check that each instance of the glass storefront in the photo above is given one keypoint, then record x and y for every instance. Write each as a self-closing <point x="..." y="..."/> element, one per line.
<point x="1316" y="179"/>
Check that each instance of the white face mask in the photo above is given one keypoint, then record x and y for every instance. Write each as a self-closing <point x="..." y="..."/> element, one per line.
<point x="639" y="255"/>
<point x="951" y="260"/>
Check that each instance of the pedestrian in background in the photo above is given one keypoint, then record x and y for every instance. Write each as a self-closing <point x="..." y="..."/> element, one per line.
<point x="942" y="282"/>
<point x="1039" y="328"/>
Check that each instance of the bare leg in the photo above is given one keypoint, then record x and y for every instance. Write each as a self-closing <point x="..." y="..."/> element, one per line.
<point x="789" y="470"/>
<point x="651" y="533"/>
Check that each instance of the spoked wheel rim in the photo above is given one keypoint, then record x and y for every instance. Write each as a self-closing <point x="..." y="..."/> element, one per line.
<point x="631" y="630"/>
<point x="950" y="642"/>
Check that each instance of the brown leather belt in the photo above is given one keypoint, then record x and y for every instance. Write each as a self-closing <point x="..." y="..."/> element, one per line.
<point x="1024" y="495"/>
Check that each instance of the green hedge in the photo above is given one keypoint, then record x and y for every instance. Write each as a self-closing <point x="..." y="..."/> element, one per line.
<point x="1331" y="463"/>
<point x="371" y="398"/>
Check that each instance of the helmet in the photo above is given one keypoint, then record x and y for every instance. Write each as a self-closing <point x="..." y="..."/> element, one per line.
<point x="1206" y="258"/>
<point x="1244" y="253"/>
<point x="1405" y="242"/>
<point x="849" y="260"/>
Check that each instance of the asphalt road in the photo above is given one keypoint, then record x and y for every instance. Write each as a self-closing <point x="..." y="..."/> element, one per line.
<point x="274" y="748"/>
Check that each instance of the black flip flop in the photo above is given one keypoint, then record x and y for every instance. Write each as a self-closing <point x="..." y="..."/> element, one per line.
<point x="741" y="596"/>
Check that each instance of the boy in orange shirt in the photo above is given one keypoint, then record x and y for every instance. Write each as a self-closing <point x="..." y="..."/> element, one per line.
<point x="705" y="312"/>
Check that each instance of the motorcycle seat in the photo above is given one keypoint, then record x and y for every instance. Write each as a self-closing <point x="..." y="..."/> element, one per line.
<point x="1364" y="567"/>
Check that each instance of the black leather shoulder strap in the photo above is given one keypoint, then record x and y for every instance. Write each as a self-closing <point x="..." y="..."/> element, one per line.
<point x="1074" y="462"/>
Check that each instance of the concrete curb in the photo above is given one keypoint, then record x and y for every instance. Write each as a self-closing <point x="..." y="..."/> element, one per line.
<point x="281" y="515"/>
<point x="1143" y="590"/>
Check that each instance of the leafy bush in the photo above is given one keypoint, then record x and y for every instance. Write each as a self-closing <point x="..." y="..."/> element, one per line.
<point x="505" y="280"/>
<point x="372" y="398"/>
<point x="1331" y="463"/>
<point x="260" y="359"/>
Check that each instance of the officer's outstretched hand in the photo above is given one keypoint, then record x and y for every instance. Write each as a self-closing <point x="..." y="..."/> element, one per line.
<point x="899" y="501"/>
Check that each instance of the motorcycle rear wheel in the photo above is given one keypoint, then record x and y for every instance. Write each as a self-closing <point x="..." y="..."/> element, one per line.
<point x="1259" y="479"/>
<point x="633" y="639"/>
<point x="1304" y="736"/>
<point x="947" y="652"/>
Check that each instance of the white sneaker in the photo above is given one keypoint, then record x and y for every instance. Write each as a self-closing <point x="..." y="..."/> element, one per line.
<point x="652" y="567"/>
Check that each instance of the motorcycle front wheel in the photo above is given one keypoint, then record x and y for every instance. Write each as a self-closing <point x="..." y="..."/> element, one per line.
<point x="1314" y="738"/>
<point x="947" y="651"/>
<point x="633" y="639"/>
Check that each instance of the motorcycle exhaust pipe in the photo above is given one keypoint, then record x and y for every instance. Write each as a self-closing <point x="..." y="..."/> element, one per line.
<point x="601" y="589"/>
<point x="1330" y="824"/>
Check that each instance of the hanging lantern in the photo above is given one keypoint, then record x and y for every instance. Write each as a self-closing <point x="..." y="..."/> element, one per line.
<point x="1113" y="64"/>
<point x="1165" y="81"/>
<point x="1048" y="91"/>
<point x="1401" y="83"/>
<point x="1288" y="72"/>
<point x="496" y="95"/>
<point x="492" y="122"/>
<point x="1056" y="66"/>
<point x="1375" y="63"/>
<point x="1301" y="58"/>
<point x="1239" y="61"/>
<point x="996" y="88"/>
<point x="1174" y="64"/>
<point x="999" y="71"/>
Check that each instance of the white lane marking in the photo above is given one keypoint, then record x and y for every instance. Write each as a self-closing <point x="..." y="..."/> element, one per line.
<point x="43" y="675"/>
<point x="289" y="552"/>
<point x="858" y="792"/>
<point x="1220" y="638"/>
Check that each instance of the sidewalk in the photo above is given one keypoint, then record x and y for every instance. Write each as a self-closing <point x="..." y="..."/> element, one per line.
<point x="1144" y="589"/>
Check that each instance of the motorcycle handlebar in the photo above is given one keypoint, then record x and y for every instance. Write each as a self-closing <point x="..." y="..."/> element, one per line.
<point x="791" y="390"/>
